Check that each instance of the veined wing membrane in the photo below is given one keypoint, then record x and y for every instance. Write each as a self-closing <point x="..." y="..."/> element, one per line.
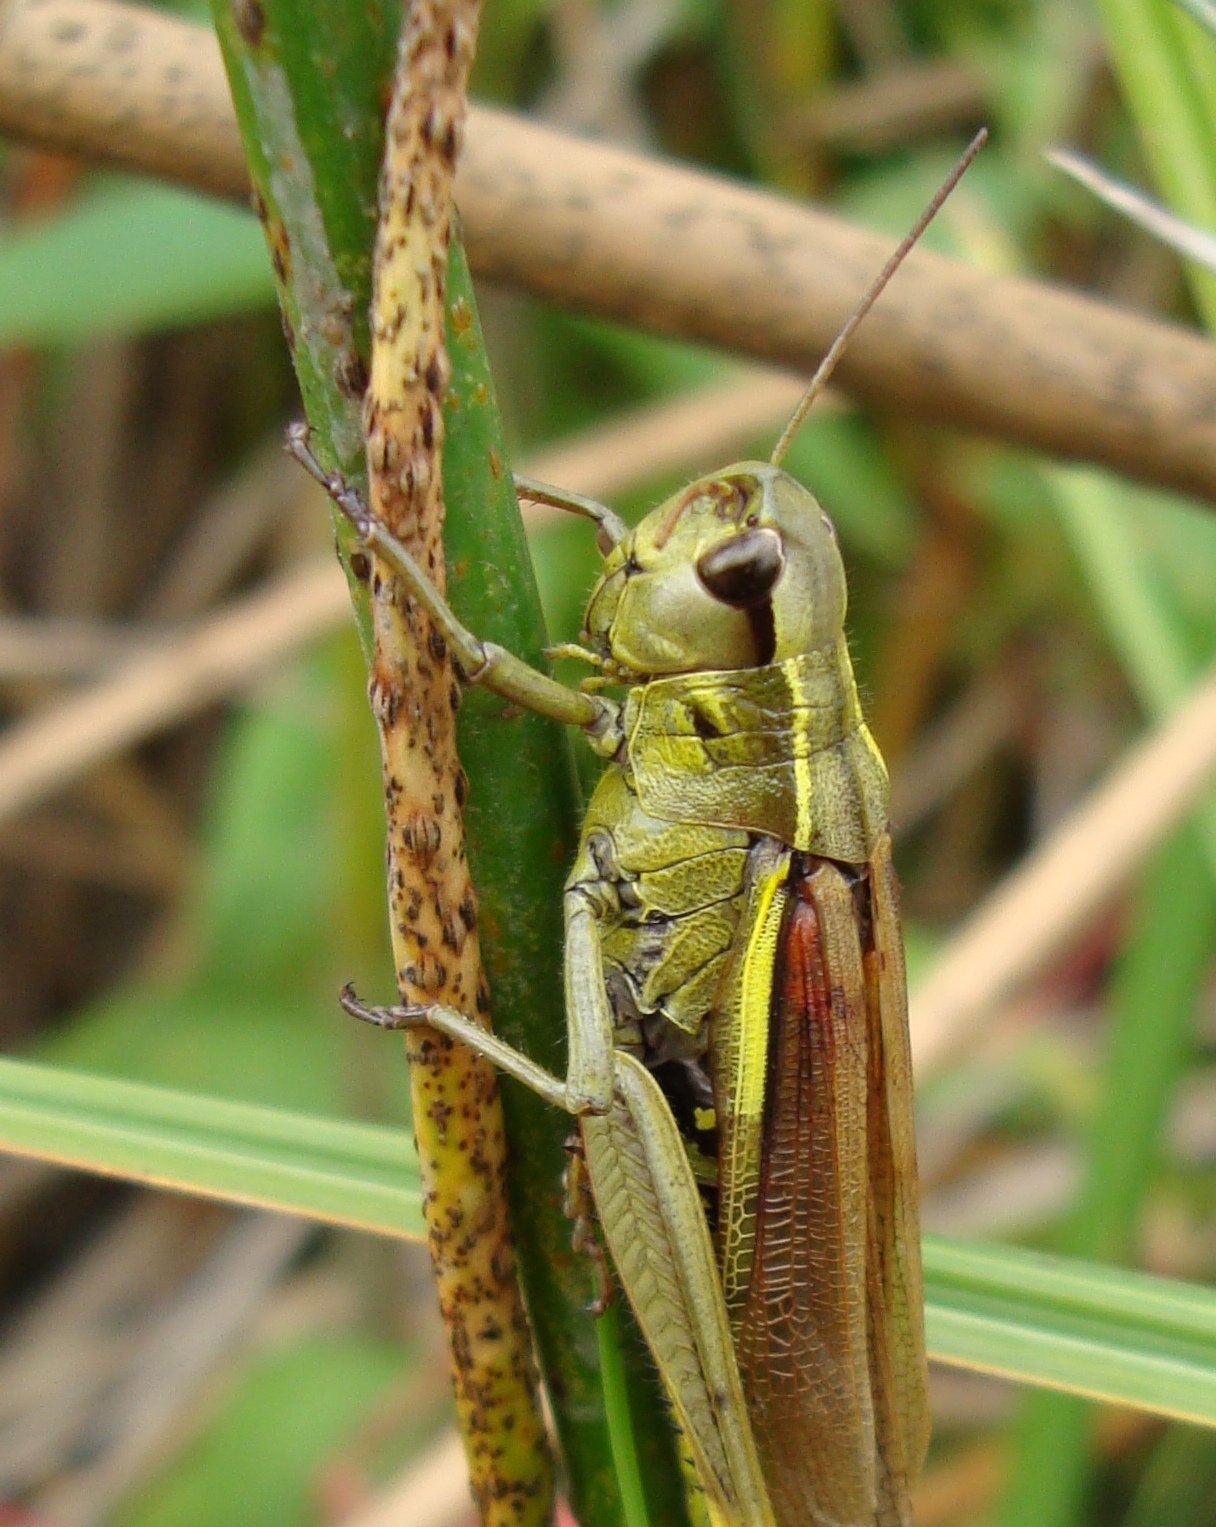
<point x="799" y="1303"/>
<point x="897" y="1362"/>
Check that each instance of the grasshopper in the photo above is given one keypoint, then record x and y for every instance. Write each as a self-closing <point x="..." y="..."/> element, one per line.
<point x="734" y="980"/>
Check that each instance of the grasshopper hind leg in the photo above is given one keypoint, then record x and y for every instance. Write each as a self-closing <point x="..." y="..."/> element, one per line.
<point x="652" y="1219"/>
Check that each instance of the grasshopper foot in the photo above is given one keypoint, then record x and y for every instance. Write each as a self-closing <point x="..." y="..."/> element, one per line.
<point x="349" y="500"/>
<point x="382" y="1017"/>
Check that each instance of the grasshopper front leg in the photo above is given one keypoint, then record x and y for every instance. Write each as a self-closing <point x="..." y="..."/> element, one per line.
<point x="447" y="1020"/>
<point x="484" y="663"/>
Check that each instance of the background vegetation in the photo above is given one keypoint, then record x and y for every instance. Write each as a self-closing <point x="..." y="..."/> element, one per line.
<point x="181" y="913"/>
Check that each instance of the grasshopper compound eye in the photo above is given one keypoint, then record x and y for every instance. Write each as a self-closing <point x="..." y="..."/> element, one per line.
<point x="741" y="571"/>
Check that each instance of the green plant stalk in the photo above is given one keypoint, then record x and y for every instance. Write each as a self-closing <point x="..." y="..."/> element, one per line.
<point x="772" y="56"/>
<point x="522" y="820"/>
<point x="1197" y="36"/>
<point x="1100" y="526"/>
<point x="1178" y="1483"/>
<point x="620" y="1423"/>
<point x="309" y="85"/>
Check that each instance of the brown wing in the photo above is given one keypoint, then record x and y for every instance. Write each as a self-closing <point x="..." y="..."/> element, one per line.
<point x="801" y="1325"/>
<point x="828" y="1319"/>
<point x="896" y="1295"/>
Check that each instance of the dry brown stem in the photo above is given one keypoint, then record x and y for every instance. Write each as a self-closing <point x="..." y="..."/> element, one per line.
<point x="242" y="643"/>
<point x="612" y="232"/>
<point x="1035" y="910"/>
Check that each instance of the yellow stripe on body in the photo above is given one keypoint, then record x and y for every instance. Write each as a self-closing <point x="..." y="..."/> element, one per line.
<point x="746" y="1061"/>
<point x="868" y="738"/>
<point x="801" y="735"/>
<point x="748" y="1046"/>
<point x="757" y="992"/>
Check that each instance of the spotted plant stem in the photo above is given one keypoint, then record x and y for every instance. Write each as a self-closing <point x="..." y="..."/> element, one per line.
<point x="457" y="1116"/>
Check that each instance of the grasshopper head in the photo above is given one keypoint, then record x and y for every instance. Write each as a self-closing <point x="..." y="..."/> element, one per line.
<point x="737" y="570"/>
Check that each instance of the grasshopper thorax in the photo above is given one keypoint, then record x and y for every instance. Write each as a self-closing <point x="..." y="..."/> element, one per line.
<point x="738" y="570"/>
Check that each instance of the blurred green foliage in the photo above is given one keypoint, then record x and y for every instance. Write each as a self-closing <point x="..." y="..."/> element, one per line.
<point x="254" y="1018"/>
<point x="288" y="1421"/>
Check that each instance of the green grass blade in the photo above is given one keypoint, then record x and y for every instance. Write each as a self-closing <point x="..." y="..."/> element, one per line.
<point x="1071" y="1324"/>
<point x="1204" y="12"/>
<point x="1156" y="987"/>
<point x="1151" y="54"/>
<point x="522" y="823"/>
<point x="1112" y="1335"/>
<point x="328" y="1169"/>
<point x="1108" y="532"/>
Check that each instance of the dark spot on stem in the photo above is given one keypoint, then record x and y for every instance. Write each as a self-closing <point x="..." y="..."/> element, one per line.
<point x="250" y="20"/>
<point x="350" y="374"/>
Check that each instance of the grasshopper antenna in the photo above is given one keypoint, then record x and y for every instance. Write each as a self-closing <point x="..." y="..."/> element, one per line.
<point x="828" y="364"/>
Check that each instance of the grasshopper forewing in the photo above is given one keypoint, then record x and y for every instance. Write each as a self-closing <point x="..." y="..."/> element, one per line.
<point x="737" y="1012"/>
<point x="817" y="1208"/>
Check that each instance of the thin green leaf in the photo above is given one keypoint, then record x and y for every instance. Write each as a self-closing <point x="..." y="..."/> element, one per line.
<point x="1179" y="1482"/>
<point x="1110" y="528"/>
<point x="1153" y="1004"/>
<point x="1204" y="12"/>
<point x="1068" y="1324"/>
<point x="350" y="1174"/>
<point x="1182" y="237"/>
<point x="1113" y="1335"/>
<point x="1156" y="987"/>
<point x="1150" y="55"/>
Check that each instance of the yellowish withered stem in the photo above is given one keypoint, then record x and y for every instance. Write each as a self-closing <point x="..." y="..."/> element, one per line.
<point x="457" y="1117"/>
